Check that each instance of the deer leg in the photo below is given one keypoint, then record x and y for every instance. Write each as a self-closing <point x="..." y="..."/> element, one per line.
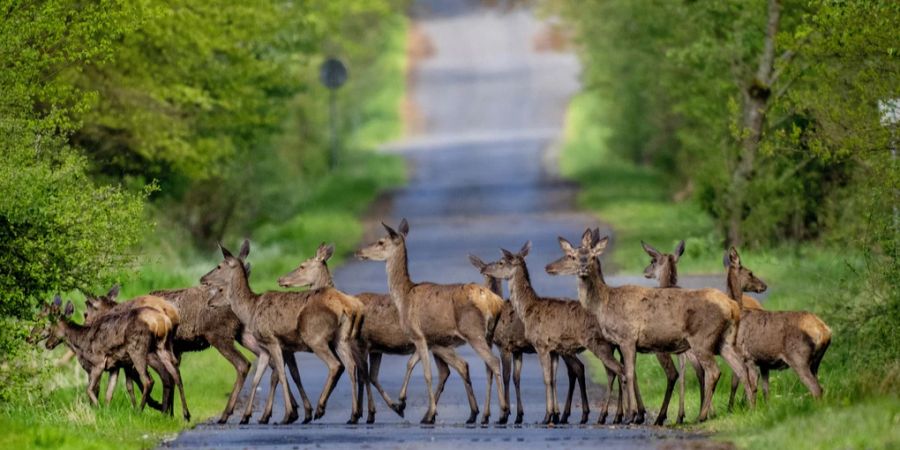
<point x="94" y="382"/>
<point x="349" y="359"/>
<point x="270" y="398"/>
<point x="800" y="365"/>
<point x="711" y="374"/>
<point x="614" y="369"/>
<point x="665" y="360"/>
<point x="140" y="366"/>
<point x="111" y="385"/>
<point x="576" y="368"/>
<point x="554" y="365"/>
<point x="764" y="373"/>
<point x="168" y="362"/>
<point x="374" y="368"/>
<point x="241" y="368"/>
<point x="734" y="387"/>
<point x="449" y="356"/>
<point x="681" y="380"/>
<point x="322" y="350"/>
<point x="295" y="375"/>
<point x="506" y="371"/>
<point x="486" y="417"/>
<point x="276" y="353"/>
<point x="570" y="392"/>
<point x="629" y="355"/>
<point x="373" y="372"/>
<point x="261" y="363"/>
<point x="422" y="351"/>
<point x="492" y="363"/>
<point x="517" y="378"/>
<point x="546" y="367"/>
<point x="737" y="362"/>
<point x="401" y="398"/>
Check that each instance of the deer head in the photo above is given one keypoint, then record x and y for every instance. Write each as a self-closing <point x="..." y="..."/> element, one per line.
<point x="226" y="275"/>
<point x="663" y="265"/>
<point x="55" y="330"/>
<point x="310" y="272"/>
<point x="507" y="266"/>
<point x="384" y="248"/>
<point x="739" y="276"/>
<point x="579" y="261"/>
<point x="95" y="305"/>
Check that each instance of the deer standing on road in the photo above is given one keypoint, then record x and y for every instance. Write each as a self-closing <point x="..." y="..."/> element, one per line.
<point x="704" y="321"/>
<point x="381" y="334"/>
<point x="439" y="314"/>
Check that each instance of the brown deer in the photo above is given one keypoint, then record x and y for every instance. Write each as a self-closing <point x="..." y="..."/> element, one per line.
<point x="636" y="318"/>
<point x="509" y="337"/>
<point x="283" y="322"/>
<point x="105" y="304"/>
<point x="775" y="340"/>
<point x="116" y="340"/>
<point x="381" y="334"/>
<point x="663" y="267"/>
<point x="553" y="327"/>
<point x="439" y="314"/>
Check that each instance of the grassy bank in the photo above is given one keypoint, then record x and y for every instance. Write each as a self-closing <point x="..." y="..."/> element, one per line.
<point x="860" y="373"/>
<point x="326" y="206"/>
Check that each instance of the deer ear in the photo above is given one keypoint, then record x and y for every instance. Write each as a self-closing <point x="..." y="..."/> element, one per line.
<point x="113" y="292"/>
<point x="324" y="252"/>
<point x="733" y="257"/>
<point x="393" y="234"/>
<point x="245" y="250"/>
<point x="725" y="261"/>
<point x="565" y="245"/>
<point x="507" y="254"/>
<point x="225" y="253"/>
<point x="679" y="250"/>
<point x="57" y="301"/>
<point x="650" y="250"/>
<point x="587" y="239"/>
<point x="477" y="262"/>
<point x="598" y="248"/>
<point x="70" y="308"/>
<point x="404" y="227"/>
<point x="596" y="234"/>
<point x="525" y="249"/>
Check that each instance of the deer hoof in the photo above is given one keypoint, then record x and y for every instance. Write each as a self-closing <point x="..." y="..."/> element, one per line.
<point x="472" y="417"/>
<point x="555" y="418"/>
<point x="370" y="418"/>
<point x="222" y="420"/>
<point x="602" y="419"/>
<point x="353" y="421"/>
<point x="428" y="419"/>
<point x="679" y="420"/>
<point x="320" y="411"/>
<point x="519" y="418"/>
<point x="263" y="420"/>
<point x="398" y="408"/>
<point x="546" y="419"/>
<point x="617" y="419"/>
<point x="639" y="418"/>
<point x="584" y="418"/>
<point x="187" y="417"/>
<point x="564" y="419"/>
<point x="244" y="420"/>
<point x="290" y="418"/>
<point x="660" y="421"/>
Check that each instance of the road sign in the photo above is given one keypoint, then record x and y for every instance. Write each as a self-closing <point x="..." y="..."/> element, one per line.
<point x="332" y="73"/>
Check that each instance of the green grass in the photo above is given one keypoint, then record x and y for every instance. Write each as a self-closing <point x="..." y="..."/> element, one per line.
<point x="861" y="371"/>
<point x="327" y="207"/>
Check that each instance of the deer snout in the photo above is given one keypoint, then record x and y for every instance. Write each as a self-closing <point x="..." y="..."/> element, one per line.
<point x="360" y="255"/>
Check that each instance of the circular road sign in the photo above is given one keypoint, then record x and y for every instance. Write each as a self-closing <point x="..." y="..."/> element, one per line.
<point x="332" y="73"/>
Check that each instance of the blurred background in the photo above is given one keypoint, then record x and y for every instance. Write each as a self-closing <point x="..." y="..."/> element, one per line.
<point x="137" y="134"/>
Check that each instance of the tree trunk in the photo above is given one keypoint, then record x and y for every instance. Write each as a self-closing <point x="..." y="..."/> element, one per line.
<point x="756" y="96"/>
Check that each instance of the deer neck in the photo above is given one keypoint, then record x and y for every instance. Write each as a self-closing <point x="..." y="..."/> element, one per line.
<point x="668" y="277"/>
<point x="399" y="283"/>
<point x="521" y="293"/>
<point x="76" y="335"/>
<point x="324" y="280"/>
<point x="242" y="299"/>
<point x="733" y="283"/>
<point x="494" y="284"/>
<point x="592" y="290"/>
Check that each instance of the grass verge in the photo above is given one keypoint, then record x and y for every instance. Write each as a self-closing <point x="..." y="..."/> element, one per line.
<point x="861" y="371"/>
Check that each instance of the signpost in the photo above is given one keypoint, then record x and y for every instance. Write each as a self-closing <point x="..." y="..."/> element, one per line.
<point x="332" y="74"/>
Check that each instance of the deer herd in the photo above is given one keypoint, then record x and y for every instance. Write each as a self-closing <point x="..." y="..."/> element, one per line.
<point x="422" y="319"/>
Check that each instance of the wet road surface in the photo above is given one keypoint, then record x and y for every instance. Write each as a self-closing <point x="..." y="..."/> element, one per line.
<point x="491" y="107"/>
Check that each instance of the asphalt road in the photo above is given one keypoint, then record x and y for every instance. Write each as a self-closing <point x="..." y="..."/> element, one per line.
<point x="491" y="108"/>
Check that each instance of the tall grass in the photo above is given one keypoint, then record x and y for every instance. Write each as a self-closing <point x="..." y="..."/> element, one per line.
<point x="860" y="372"/>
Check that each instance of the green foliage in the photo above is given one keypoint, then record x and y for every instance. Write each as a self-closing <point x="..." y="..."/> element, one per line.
<point x="676" y="98"/>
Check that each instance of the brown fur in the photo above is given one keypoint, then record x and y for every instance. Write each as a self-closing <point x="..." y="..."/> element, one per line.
<point x="509" y="337"/>
<point x="286" y="322"/>
<point x="117" y="340"/>
<point x="641" y="319"/>
<point x="439" y="314"/>
<point x="381" y="334"/>
<point x="775" y="340"/>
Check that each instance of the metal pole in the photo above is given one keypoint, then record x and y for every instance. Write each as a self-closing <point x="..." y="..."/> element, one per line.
<point x="333" y="137"/>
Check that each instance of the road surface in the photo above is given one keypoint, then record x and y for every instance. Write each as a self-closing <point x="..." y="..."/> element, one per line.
<point x="490" y="107"/>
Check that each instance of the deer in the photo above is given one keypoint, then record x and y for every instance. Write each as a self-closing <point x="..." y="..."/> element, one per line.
<point x="381" y="334"/>
<point x="106" y="304"/>
<point x="439" y="314"/>
<point x="280" y="322"/>
<point x="116" y="340"/>
<point x="509" y="337"/>
<point x="636" y="318"/>
<point x="774" y="340"/>
<point x="553" y="327"/>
